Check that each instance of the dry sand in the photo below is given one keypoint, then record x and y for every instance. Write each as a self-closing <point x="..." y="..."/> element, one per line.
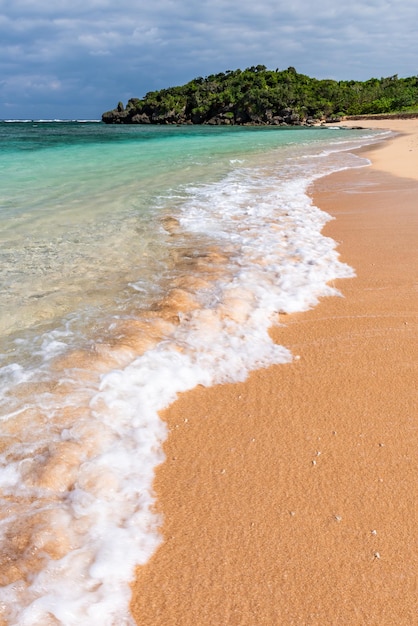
<point x="291" y="499"/>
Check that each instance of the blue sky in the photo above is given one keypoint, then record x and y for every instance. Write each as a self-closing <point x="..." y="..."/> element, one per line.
<point x="78" y="58"/>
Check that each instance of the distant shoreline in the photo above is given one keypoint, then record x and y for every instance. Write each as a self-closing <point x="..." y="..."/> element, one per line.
<point x="382" y="116"/>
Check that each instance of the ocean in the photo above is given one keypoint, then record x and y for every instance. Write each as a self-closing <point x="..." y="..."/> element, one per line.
<point x="136" y="263"/>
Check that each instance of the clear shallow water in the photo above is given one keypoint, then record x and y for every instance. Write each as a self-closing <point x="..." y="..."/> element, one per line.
<point x="137" y="262"/>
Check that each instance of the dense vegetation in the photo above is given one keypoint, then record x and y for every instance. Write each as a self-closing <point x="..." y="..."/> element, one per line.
<point x="260" y="96"/>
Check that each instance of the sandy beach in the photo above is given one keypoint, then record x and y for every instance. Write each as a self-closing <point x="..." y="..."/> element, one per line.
<point x="290" y="499"/>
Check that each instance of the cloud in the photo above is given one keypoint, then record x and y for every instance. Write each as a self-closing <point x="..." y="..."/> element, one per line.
<point x="97" y="52"/>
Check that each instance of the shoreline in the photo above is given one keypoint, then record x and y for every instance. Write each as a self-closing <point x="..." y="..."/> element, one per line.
<point x="290" y="498"/>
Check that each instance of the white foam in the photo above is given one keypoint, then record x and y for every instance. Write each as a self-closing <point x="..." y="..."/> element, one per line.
<point x="96" y="467"/>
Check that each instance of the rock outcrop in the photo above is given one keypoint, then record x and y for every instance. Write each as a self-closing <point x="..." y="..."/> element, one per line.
<point x="136" y="114"/>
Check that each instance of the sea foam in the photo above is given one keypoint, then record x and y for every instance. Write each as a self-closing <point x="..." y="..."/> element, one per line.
<point x="81" y="446"/>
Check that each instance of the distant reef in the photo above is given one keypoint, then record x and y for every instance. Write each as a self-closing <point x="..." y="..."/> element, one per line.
<point x="258" y="96"/>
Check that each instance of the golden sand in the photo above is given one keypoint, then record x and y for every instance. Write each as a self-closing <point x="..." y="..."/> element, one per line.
<point x="291" y="499"/>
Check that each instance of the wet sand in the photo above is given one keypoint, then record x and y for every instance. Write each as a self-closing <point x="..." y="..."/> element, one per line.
<point x="290" y="499"/>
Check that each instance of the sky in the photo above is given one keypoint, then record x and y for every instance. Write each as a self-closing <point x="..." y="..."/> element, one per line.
<point x="75" y="59"/>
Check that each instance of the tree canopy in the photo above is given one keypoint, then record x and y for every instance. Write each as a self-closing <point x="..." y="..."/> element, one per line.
<point x="257" y="95"/>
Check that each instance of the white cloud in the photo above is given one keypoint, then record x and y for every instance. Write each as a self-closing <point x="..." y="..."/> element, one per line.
<point x="35" y="84"/>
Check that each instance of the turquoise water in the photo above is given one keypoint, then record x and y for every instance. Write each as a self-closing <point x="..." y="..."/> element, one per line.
<point x="80" y="204"/>
<point x="136" y="262"/>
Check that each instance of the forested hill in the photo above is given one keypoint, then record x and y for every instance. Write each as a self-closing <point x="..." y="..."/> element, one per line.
<point x="261" y="96"/>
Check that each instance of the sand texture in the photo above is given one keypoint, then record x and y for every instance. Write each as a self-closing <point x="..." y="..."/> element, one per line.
<point x="291" y="499"/>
